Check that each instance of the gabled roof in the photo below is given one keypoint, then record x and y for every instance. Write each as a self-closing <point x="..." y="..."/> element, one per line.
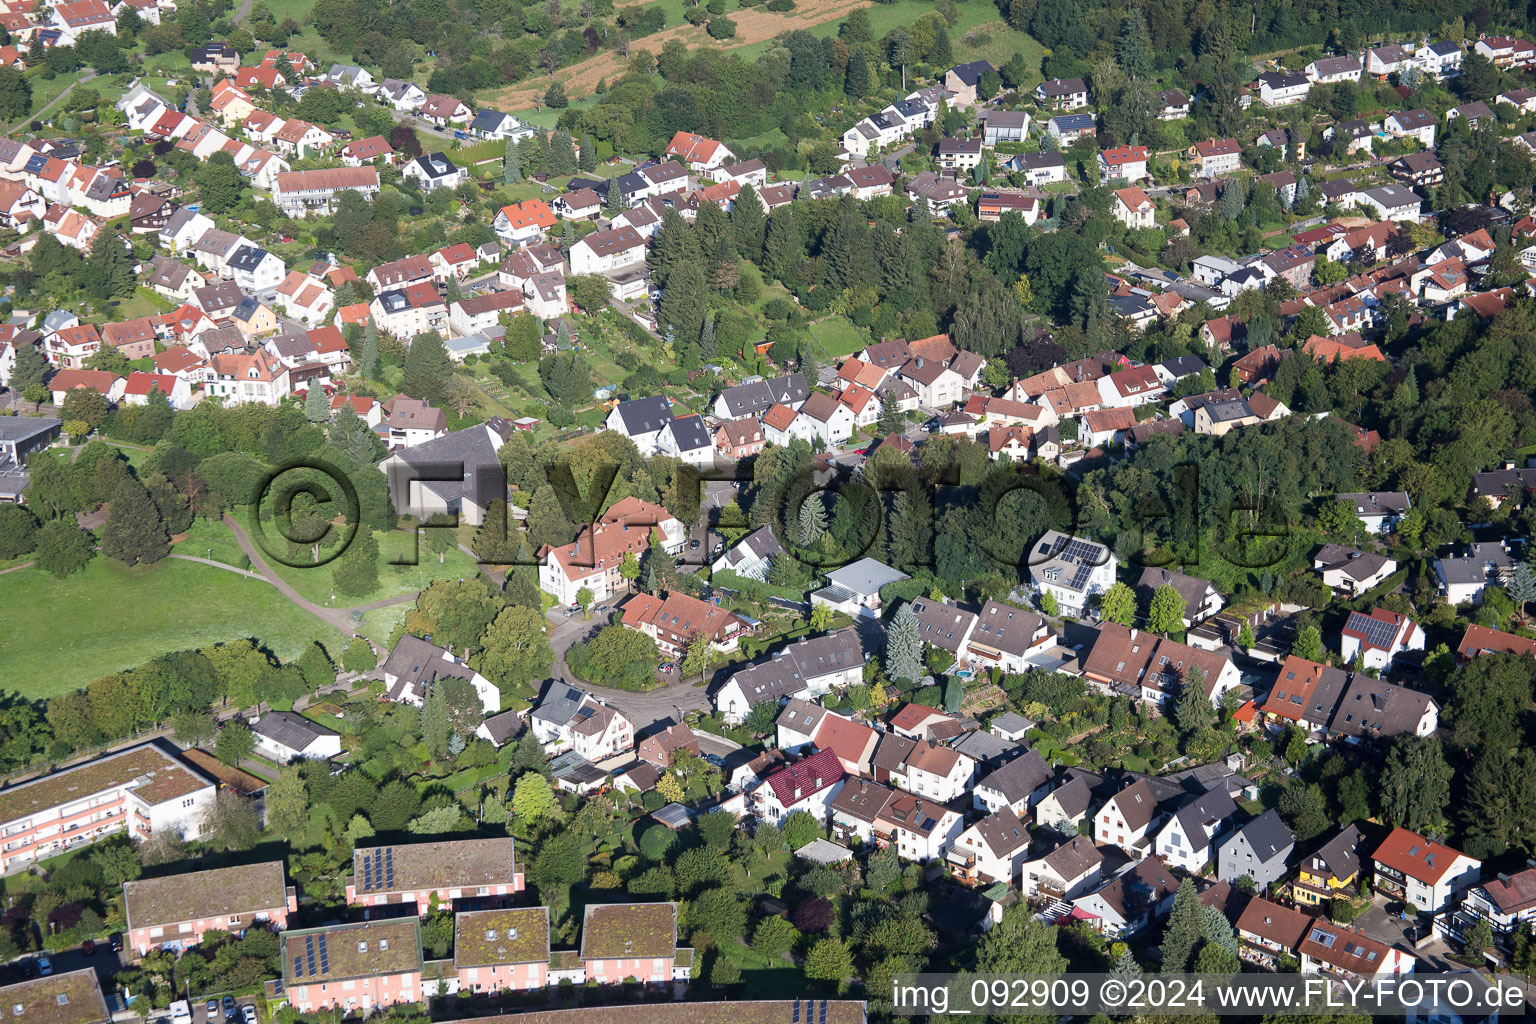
<point x="1020" y="777"/>
<point x="1266" y="836"/>
<point x="803" y="779"/>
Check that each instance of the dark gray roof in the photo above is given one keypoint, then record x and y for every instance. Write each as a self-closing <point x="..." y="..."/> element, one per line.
<point x="1376" y="709"/>
<point x="1183" y="366"/>
<point x="985" y="747"/>
<point x="758" y="397"/>
<point x="1077" y="794"/>
<point x="503" y="727"/>
<point x="941" y="623"/>
<point x="415" y="661"/>
<point x="1267" y="836"/>
<point x="691" y="434"/>
<point x="644" y="415"/>
<point x="1213" y="806"/>
<point x="1019" y="777"/>
<point x="560" y="704"/>
<point x="1003" y="832"/>
<point x="247" y="257"/>
<point x="971" y="73"/>
<point x="23" y="428"/>
<point x="1341" y="854"/>
<point x="760" y="543"/>
<point x="791" y="668"/>
<point x="1191" y="588"/>
<point x="290" y="730"/>
<point x="1009" y="629"/>
<point x="470" y="448"/>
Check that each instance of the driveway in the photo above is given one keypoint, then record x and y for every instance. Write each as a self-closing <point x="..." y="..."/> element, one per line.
<point x="1382" y="927"/>
<point x="644" y="710"/>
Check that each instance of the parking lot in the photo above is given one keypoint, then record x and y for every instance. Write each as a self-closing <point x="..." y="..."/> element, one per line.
<point x="200" y="1013"/>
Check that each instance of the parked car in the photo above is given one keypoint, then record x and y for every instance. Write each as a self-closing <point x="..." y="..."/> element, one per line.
<point x="715" y="759"/>
<point x="44" y="966"/>
<point x="211" y="1011"/>
<point x="248" y="1014"/>
<point x="181" y="1013"/>
<point x="116" y="940"/>
<point x="88" y="947"/>
<point x="230" y="1009"/>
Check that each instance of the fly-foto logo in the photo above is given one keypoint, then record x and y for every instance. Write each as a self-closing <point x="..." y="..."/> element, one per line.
<point x="306" y="514"/>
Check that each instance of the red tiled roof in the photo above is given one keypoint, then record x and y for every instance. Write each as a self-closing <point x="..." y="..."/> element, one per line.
<point x="806" y="778"/>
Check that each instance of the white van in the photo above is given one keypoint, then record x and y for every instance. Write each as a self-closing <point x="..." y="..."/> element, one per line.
<point x="181" y="1013"/>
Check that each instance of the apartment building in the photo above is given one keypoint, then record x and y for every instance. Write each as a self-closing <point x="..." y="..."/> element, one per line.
<point x="141" y="791"/>
<point x="623" y="941"/>
<point x="172" y="912"/>
<point x="353" y="967"/>
<point x="450" y="870"/>
<point x="502" y="950"/>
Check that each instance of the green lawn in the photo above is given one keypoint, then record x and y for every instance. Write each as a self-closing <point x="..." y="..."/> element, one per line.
<point x="212" y="539"/>
<point x="62" y="634"/>
<point x="838" y="337"/>
<point x="394" y="580"/>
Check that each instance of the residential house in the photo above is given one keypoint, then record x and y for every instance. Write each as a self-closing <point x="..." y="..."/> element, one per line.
<point x="658" y="748"/>
<point x="923" y="830"/>
<point x="1190" y="837"/>
<point x="1129" y="819"/>
<point x="1040" y="168"/>
<point x="1332" y="871"/>
<point x="739" y="439"/>
<point x="403" y="96"/>
<point x="1506" y="51"/>
<point x="502" y="950"/>
<point x="1283" y="88"/>
<point x="1376" y="638"/>
<point x="593" y="559"/>
<point x="1134" y="208"/>
<point x="1007" y="637"/>
<point x="607" y="250"/>
<point x="674" y="620"/>
<point x="172" y="912"/>
<point x="1004" y="126"/>
<point x="1328" y="70"/>
<point x="1269" y="932"/>
<point x="1417" y="124"/>
<point x="1422" y="872"/>
<point x="929" y="770"/>
<point x="855" y="588"/>
<point x="1371" y="709"/>
<point x="444" y="110"/>
<point x="1507" y="903"/>
<point x="300" y="193"/>
<point x="1062" y="93"/>
<point x="1331" y="949"/>
<point x="1017" y="786"/>
<point x="570" y="719"/>
<point x="807" y="668"/>
<point x="1130" y="901"/>
<point x="409" y="311"/>
<point x="1068" y="128"/>
<point x="807" y="785"/>
<point x="961" y="82"/>
<point x="1259" y="850"/>
<point x="992" y="850"/>
<point x="698" y="153"/>
<point x="241" y="378"/>
<point x="1065" y="873"/>
<point x="1216" y="157"/>
<point x="353" y="967"/>
<point x="283" y="736"/>
<point x="1393" y="202"/>
<point x="1351" y="570"/>
<point x="1463" y="578"/>
<point x="1155" y="668"/>
<point x="416" y="665"/>
<point x="1123" y="162"/>
<point x="434" y="170"/>
<point x="367" y="151"/>
<point x="142" y="791"/>
<point x="1418" y="170"/>
<point x="1071" y="570"/>
<point x="1201" y="599"/>
<point x="1172" y="105"/>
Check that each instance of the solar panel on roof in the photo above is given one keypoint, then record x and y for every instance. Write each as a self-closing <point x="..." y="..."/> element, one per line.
<point x="795" y="1019"/>
<point x="367" y="873"/>
<point x="298" y="967"/>
<point x="309" y="953"/>
<point x="325" y="960"/>
<point x="389" y="867"/>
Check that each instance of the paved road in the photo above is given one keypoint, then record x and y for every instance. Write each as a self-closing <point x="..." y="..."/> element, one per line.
<point x="644" y="710"/>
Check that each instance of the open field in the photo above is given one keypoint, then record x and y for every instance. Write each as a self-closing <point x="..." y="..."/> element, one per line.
<point x="62" y="634"/>
<point x="753" y="26"/>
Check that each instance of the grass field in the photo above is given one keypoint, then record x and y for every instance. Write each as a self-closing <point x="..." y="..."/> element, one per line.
<point x="394" y="580"/>
<point x="62" y="634"/>
<point x="837" y="337"/>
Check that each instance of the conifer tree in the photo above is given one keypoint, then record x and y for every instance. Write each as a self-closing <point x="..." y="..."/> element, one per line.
<point x="134" y="531"/>
<point x="904" y="646"/>
<point x="427" y="367"/>
<point x="511" y="164"/>
<point x="317" y="408"/>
